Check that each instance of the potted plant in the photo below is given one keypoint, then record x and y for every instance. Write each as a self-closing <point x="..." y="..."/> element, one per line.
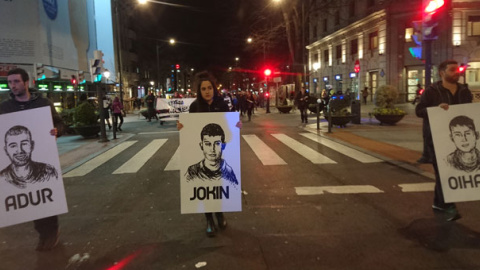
<point x="86" y="120"/>
<point x="285" y="107"/>
<point x="67" y="119"/>
<point x="385" y="110"/>
<point x="339" y="113"/>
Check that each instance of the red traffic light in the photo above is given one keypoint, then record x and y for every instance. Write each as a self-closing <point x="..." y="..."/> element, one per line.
<point x="177" y="66"/>
<point x="434" y="5"/>
<point x="462" y="68"/>
<point x="267" y="72"/>
<point x="267" y="94"/>
<point x="73" y="80"/>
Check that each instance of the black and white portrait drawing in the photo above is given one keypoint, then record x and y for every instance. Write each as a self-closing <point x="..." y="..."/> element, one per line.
<point x="455" y="138"/>
<point x="22" y="170"/>
<point x="464" y="135"/>
<point x="31" y="183"/>
<point x="212" y="167"/>
<point x="210" y="174"/>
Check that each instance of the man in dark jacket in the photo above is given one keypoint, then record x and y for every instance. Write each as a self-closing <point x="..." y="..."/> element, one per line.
<point x="151" y="112"/>
<point x="442" y="93"/>
<point x="24" y="98"/>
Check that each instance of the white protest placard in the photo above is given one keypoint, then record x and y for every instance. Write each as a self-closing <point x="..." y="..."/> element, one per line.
<point x="174" y="105"/>
<point x="456" y="137"/>
<point x="31" y="183"/>
<point x="210" y="179"/>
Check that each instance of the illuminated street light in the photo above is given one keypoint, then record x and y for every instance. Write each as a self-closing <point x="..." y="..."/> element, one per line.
<point x="142" y="2"/>
<point x="237" y="59"/>
<point x="249" y="40"/>
<point x="106" y="73"/>
<point x="172" y="41"/>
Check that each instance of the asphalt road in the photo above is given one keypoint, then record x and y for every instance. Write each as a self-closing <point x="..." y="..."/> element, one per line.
<point x="346" y="214"/>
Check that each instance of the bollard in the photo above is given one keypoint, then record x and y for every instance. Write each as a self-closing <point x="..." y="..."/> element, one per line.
<point x="355" y="109"/>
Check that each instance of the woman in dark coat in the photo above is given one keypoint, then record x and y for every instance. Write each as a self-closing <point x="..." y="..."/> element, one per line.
<point x="209" y="100"/>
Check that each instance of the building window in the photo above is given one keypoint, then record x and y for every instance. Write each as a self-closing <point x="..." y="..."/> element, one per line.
<point x="351" y="8"/>
<point x="373" y="37"/>
<point x="370" y="3"/>
<point x="338" y="52"/>
<point x="315" y="58"/>
<point x="325" y="57"/>
<point x="337" y="17"/>
<point x="473" y="26"/>
<point x="324" y="25"/>
<point x="354" y="47"/>
<point x="408" y="34"/>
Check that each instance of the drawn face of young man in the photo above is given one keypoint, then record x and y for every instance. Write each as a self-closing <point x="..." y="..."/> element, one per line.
<point x="212" y="148"/>
<point x="465" y="138"/>
<point x="19" y="148"/>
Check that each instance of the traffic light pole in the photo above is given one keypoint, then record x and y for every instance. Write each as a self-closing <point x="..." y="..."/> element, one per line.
<point x="428" y="62"/>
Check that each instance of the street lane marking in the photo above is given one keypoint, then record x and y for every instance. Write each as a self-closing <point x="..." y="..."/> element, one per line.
<point x="90" y="165"/>
<point x="348" y="151"/>
<point x="266" y="155"/>
<point x="337" y="190"/>
<point x="138" y="160"/>
<point x="418" y="187"/>
<point x="305" y="151"/>
<point x="174" y="163"/>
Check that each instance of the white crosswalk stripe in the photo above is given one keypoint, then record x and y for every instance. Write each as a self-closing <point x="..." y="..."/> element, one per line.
<point x="138" y="160"/>
<point x="337" y="190"/>
<point x="266" y="155"/>
<point x="174" y="163"/>
<point x="348" y="151"/>
<point x="303" y="150"/>
<point x="90" y="165"/>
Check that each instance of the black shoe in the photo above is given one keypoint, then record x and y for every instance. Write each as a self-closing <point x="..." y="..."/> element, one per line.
<point x="48" y="243"/>
<point x="210" y="227"/>
<point x="222" y="221"/>
<point x="450" y="212"/>
<point x="424" y="160"/>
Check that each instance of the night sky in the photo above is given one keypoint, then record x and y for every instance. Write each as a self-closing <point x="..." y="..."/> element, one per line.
<point x="210" y="33"/>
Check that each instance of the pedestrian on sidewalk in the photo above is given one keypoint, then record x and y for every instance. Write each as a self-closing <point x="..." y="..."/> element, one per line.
<point x="418" y="94"/>
<point x="117" y="112"/>
<point x="302" y="104"/>
<point x="250" y="104"/>
<point x="150" y="100"/>
<point x="442" y="94"/>
<point x="107" y="106"/>
<point x="208" y="100"/>
<point x="23" y="98"/>
<point x="365" y="95"/>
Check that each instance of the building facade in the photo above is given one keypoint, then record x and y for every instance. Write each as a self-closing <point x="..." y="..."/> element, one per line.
<point x="368" y="43"/>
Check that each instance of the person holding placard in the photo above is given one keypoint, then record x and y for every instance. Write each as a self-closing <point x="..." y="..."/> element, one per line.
<point x="23" y="98"/>
<point x="442" y="94"/>
<point x="208" y="100"/>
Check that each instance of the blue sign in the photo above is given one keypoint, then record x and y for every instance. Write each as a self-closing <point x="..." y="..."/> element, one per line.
<point x="51" y="8"/>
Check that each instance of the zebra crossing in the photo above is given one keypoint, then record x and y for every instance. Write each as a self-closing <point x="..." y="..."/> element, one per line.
<point x="263" y="150"/>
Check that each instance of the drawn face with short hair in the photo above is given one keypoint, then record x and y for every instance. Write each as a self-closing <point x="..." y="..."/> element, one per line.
<point x="19" y="148"/>
<point x="212" y="147"/>
<point x="465" y="138"/>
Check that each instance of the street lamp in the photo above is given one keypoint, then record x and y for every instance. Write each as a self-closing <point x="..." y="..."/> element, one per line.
<point x="172" y="42"/>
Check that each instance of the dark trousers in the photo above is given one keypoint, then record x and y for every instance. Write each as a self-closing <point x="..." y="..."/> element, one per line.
<point x="46" y="226"/>
<point x="438" y="198"/>
<point x="303" y="114"/>
<point x="249" y="112"/>
<point x="118" y="115"/>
